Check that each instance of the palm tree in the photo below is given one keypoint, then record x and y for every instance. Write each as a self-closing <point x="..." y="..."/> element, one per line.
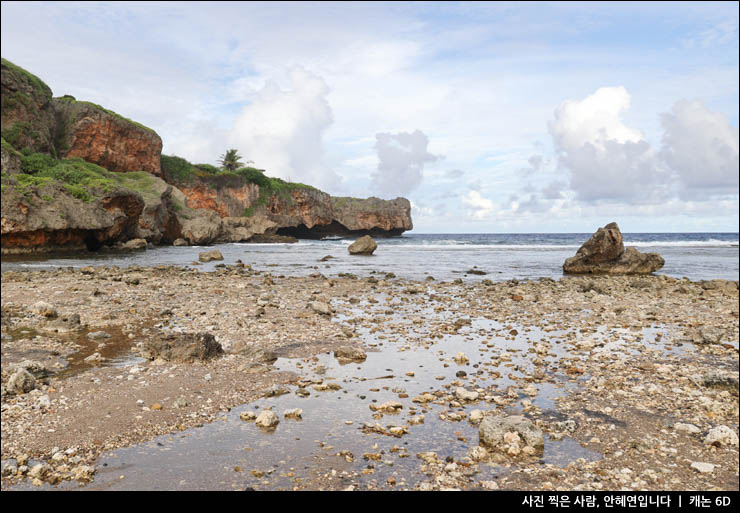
<point x="231" y="160"/>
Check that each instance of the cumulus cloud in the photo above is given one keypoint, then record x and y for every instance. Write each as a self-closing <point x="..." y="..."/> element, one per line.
<point x="607" y="159"/>
<point x="401" y="162"/>
<point x="701" y="147"/>
<point x="480" y="207"/>
<point x="281" y="131"/>
<point x="536" y="162"/>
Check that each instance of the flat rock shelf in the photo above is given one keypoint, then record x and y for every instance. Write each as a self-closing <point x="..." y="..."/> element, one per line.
<point x="630" y="381"/>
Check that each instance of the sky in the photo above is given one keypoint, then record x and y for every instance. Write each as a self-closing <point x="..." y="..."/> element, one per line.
<point x="490" y="117"/>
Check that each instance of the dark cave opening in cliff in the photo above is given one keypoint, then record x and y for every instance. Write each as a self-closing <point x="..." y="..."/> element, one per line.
<point x="91" y="242"/>
<point x="334" y="229"/>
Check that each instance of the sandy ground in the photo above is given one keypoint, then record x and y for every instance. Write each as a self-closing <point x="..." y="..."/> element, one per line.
<point x="655" y="360"/>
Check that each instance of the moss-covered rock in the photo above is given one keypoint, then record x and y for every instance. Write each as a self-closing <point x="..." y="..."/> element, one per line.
<point x="28" y="119"/>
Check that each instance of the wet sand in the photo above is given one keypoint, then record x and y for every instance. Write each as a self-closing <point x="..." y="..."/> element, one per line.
<point x="628" y="378"/>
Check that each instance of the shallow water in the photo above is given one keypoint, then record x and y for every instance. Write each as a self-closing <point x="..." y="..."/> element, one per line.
<point x="233" y="454"/>
<point x="416" y="256"/>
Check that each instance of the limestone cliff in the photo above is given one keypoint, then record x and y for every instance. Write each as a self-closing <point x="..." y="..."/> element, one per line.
<point x="296" y="209"/>
<point x="100" y="136"/>
<point x="76" y="175"/>
<point x="28" y="119"/>
<point x="51" y="217"/>
<point x="66" y="128"/>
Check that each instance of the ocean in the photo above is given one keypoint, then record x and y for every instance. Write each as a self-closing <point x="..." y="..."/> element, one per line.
<point x="697" y="256"/>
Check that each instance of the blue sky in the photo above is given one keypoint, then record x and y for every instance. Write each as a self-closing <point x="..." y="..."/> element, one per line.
<point x="489" y="117"/>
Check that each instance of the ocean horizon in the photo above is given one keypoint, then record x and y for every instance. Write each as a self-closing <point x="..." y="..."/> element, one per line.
<point x="493" y="256"/>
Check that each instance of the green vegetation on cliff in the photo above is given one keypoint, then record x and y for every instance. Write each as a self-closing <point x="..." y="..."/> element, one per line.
<point x="81" y="179"/>
<point x="35" y="81"/>
<point x="71" y="99"/>
<point x="179" y="171"/>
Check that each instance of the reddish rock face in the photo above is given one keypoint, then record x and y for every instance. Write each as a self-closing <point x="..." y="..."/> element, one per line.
<point x="105" y="139"/>
<point x="307" y="212"/>
<point x="604" y="253"/>
<point x="226" y="202"/>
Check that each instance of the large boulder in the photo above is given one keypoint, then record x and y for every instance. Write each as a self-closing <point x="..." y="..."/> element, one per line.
<point x="182" y="347"/>
<point x="213" y="254"/>
<point x="363" y="246"/>
<point x="604" y="253"/>
<point x="492" y="431"/>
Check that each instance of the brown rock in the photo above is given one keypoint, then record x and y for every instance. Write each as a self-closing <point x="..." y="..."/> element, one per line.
<point x="104" y="138"/>
<point x="207" y="256"/>
<point x="363" y="246"/>
<point x="604" y="253"/>
<point x="185" y="347"/>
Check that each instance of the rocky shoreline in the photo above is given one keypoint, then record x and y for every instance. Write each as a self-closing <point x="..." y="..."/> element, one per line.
<point x="649" y="365"/>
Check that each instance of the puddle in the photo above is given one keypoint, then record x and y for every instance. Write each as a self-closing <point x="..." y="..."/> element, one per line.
<point x="115" y="351"/>
<point x="331" y="447"/>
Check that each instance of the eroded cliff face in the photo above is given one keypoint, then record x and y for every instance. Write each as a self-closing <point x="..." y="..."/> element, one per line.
<point x="226" y="202"/>
<point x="66" y="128"/>
<point x="49" y="218"/>
<point x="85" y="130"/>
<point x="45" y="212"/>
<point x="305" y="212"/>
<point x="28" y="119"/>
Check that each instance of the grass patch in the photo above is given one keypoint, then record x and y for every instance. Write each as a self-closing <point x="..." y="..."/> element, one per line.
<point x="71" y="99"/>
<point x="33" y="79"/>
<point x="180" y="171"/>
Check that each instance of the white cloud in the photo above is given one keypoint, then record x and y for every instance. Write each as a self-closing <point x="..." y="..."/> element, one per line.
<point x="606" y="158"/>
<point x="702" y="148"/>
<point x="402" y="157"/>
<point x="281" y="131"/>
<point x="480" y="207"/>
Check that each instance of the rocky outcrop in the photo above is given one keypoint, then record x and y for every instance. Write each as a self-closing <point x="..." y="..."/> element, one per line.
<point x="365" y="245"/>
<point x="50" y="218"/>
<point x="66" y="128"/>
<point x="160" y="221"/>
<point x="182" y="347"/>
<point x="225" y="201"/>
<point x="104" y="138"/>
<point x="52" y="207"/>
<point x="373" y="214"/>
<point x="503" y="432"/>
<point x="604" y="253"/>
<point x="28" y="119"/>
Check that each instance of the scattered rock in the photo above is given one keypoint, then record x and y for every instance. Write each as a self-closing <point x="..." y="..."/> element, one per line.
<point x="267" y="419"/>
<point x="465" y="395"/>
<point x="134" y="244"/>
<point x="704" y="468"/>
<point x="494" y="429"/>
<point x="721" y="436"/>
<point x="208" y="256"/>
<point x="182" y="347"/>
<point x="44" y="309"/>
<point x="295" y="413"/>
<point x="20" y="382"/>
<point x="363" y="246"/>
<point x="95" y="358"/>
<point x="248" y="415"/>
<point x="320" y="307"/>
<point x="98" y="335"/>
<point x="180" y="242"/>
<point x="686" y="428"/>
<point x="388" y="407"/>
<point x="461" y="358"/>
<point x="353" y="353"/>
<point x="604" y="253"/>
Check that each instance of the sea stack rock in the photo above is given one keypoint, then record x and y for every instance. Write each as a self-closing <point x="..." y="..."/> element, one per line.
<point x="365" y="245"/>
<point x="604" y="253"/>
